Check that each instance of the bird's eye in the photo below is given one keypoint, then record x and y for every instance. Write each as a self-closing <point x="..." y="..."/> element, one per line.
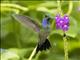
<point x="47" y="17"/>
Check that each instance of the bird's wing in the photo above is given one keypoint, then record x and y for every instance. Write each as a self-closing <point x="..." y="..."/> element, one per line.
<point x="27" y="22"/>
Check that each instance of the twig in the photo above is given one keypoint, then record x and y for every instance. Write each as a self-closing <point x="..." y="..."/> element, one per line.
<point x="70" y="7"/>
<point x="65" y="47"/>
<point x="14" y="6"/>
<point x="33" y="53"/>
<point x="59" y="7"/>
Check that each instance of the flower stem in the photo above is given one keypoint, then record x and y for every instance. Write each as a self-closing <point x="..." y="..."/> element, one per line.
<point x="59" y="7"/>
<point x="33" y="53"/>
<point x="12" y="7"/>
<point x="65" y="47"/>
<point x="70" y="7"/>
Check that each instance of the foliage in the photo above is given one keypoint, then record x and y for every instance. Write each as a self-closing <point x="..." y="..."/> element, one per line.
<point x="17" y="42"/>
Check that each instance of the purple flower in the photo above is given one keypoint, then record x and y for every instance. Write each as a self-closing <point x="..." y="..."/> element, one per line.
<point x="62" y="22"/>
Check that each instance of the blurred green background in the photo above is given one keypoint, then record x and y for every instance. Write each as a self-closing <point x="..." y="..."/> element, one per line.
<point x="17" y="42"/>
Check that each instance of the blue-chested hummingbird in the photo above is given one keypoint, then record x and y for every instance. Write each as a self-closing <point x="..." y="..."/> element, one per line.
<point x="43" y="42"/>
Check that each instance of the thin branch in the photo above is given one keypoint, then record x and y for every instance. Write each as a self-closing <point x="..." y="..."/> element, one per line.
<point x="14" y="6"/>
<point x="65" y="47"/>
<point x="59" y="7"/>
<point x="70" y="7"/>
<point x="33" y="53"/>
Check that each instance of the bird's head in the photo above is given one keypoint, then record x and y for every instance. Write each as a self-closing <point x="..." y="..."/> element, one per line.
<point x="46" y="21"/>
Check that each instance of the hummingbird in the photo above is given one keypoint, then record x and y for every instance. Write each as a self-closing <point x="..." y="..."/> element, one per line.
<point x="43" y="41"/>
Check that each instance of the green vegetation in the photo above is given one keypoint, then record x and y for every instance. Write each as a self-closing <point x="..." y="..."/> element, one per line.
<point x="18" y="42"/>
